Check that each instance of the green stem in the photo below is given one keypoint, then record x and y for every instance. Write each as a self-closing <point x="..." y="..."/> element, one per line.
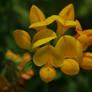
<point x="45" y="87"/>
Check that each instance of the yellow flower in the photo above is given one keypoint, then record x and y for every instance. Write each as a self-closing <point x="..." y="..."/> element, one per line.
<point x="48" y="57"/>
<point x="72" y="53"/>
<point x="47" y="73"/>
<point x="81" y="36"/>
<point x="64" y="21"/>
<point x="85" y="38"/>
<point x="86" y="62"/>
<point x="43" y="36"/>
<point x="67" y="50"/>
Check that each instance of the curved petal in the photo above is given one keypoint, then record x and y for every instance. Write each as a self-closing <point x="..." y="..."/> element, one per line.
<point x="78" y="26"/>
<point x="63" y="27"/>
<point x="67" y="13"/>
<point x="42" y="37"/>
<point x="81" y="36"/>
<point x="70" y="67"/>
<point x="22" y="39"/>
<point x="36" y="15"/>
<point x="68" y="45"/>
<point x="47" y="21"/>
<point x="88" y="32"/>
<point x="47" y="55"/>
<point x="79" y="52"/>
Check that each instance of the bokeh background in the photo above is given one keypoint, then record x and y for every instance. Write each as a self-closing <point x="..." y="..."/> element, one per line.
<point x="14" y="14"/>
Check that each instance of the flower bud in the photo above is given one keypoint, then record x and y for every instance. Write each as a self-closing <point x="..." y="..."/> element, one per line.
<point x="86" y="63"/>
<point x="47" y="73"/>
<point x="12" y="56"/>
<point x="27" y="57"/>
<point x="23" y="39"/>
<point x="70" y="67"/>
<point x="27" y="74"/>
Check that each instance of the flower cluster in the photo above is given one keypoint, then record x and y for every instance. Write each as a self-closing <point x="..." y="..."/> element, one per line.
<point x="20" y="62"/>
<point x="55" y="49"/>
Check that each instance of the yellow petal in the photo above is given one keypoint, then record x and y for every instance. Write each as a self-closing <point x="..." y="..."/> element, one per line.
<point x="78" y="27"/>
<point x="47" y="21"/>
<point x="88" y="32"/>
<point x="66" y="44"/>
<point x="69" y="47"/>
<point x="63" y="28"/>
<point x="83" y="40"/>
<point x="70" y="67"/>
<point x="47" y="55"/>
<point x="50" y="20"/>
<point x="67" y="13"/>
<point x="79" y="52"/>
<point x="47" y="73"/>
<point x="22" y="39"/>
<point x="86" y="63"/>
<point x="42" y="37"/>
<point x="36" y="15"/>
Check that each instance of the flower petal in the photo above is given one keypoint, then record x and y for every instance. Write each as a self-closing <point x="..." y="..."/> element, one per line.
<point x="42" y="37"/>
<point x="36" y="15"/>
<point x="47" y="21"/>
<point x="88" y="32"/>
<point x="81" y="36"/>
<point x="78" y="27"/>
<point x="63" y="27"/>
<point x="83" y="40"/>
<point x="86" y="63"/>
<point x="47" y="55"/>
<point x="67" y="14"/>
<point x="47" y="73"/>
<point x="22" y="39"/>
<point x="68" y="46"/>
<point x="70" y="67"/>
<point x="79" y="52"/>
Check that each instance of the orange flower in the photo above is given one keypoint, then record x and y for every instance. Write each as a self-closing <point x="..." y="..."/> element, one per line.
<point x="89" y="35"/>
<point x="81" y="36"/>
<point x="10" y="55"/>
<point x="26" y="58"/>
<point x="27" y="74"/>
<point x="86" y="63"/>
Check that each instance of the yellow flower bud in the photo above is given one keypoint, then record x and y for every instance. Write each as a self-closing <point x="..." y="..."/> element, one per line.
<point x="70" y="67"/>
<point x="23" y="39"/>
<point x="86" y="63"/>
<point x="47" y="73"/>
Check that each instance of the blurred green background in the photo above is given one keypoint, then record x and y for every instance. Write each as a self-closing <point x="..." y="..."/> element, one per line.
<point x="14" y="14"/>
